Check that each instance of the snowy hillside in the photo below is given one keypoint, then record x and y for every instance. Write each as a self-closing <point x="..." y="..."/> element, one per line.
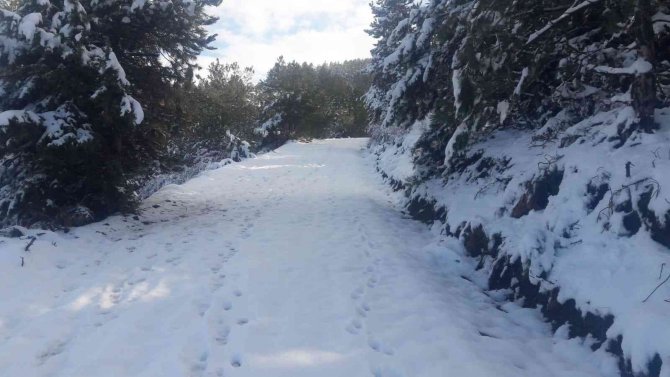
<point x="584" y="238"/>
<point x="296" y="263"/>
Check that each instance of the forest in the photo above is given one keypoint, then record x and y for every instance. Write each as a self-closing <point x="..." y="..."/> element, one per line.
<point x="103" y="103"/>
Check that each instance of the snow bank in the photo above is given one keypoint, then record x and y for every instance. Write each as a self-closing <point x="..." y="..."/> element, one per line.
<point x="202" y="160"/>
<point x="578" y="210"/>
<point x="398" y="161"/>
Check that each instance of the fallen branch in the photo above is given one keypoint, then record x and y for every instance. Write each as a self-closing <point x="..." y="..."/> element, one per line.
<point x="656" y="289"/>
<point x="32" y="241"/>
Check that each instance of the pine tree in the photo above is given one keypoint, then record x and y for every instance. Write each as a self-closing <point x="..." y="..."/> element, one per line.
<point x="304" y="101"/>
<point x="475" y="66"/>
<point x="390" y="25"/>
<point x="72" y="76"/>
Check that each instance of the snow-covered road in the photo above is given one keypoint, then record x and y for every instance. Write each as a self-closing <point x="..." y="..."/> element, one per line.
<point x="296" y="263"/>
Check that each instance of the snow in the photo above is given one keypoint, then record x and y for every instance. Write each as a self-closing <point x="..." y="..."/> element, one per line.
<point x="17" y="115"/>
<point x="519" y="85"/>
<point x="61" y="127"/>
<point x="29" y="24"/>
<point x="606" y="271"/>
<point x="503" y="110"/>
<point x="401" y="160"/>
<point x="113" y="64"/>
<point x="661" y="22"/>
<point x="640" y="66"/>
<point x="137" y="4"/>
<point x="456" y="82"/>
<point x="296" y="263"/>
<point x="130" y="105"/>
<point x="10" y="48"/>
<point x="450" y="149"/>
<point x="265" y="128"/>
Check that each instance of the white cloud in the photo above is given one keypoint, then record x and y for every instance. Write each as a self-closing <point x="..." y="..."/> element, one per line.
<point x="256" y="32"/>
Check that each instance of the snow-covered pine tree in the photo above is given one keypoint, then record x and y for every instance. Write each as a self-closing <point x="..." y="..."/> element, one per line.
<point x="477" y="65"/>
<point x="389" y="27"/>
<point x="71" y="72"/>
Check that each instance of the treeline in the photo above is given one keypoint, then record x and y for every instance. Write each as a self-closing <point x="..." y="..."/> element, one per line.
<point x="101" y="103"/>
<point x="303" y="100"/>
<point x="474" y="66"/>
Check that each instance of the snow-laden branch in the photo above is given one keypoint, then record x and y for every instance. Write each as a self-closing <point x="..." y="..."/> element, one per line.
<point x="570" y="11"/>
<point x="519" y="85"/>
<point x="640" y="67"/>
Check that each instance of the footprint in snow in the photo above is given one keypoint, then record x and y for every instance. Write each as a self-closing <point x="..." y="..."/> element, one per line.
<point x="201" y="365"/>
<point x="137" y="281"/>
<point x="236" y="361"/>
<point x="174" y="261"/>
<point x="354" y="327"/>
<point x="358" y="293"/>
<point x="216" y="285"/>
<point x="202" y="307"/>
<point x="227" y="305"/>
<point x="222" y="334"/>
<point x="55" y="349"/>
<point x="242" y="321"/>
<point x="237" y="293"/>
<point x="377" y="346"/>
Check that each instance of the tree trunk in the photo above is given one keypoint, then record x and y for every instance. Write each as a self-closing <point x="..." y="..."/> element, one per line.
<point x="644" y="86"/>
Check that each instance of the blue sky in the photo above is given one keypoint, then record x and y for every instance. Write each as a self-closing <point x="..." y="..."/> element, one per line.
<point x="256" y="32"/>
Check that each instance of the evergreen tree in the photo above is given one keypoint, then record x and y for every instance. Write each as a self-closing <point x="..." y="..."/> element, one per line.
<point x="304" y="101"/>
<point x="210" y="112"/>
<point x="73" y="73"/>
<point x="473" y="66"/>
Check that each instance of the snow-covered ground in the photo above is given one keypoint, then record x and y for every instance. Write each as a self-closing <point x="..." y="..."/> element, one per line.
<point x="296" y="263"/>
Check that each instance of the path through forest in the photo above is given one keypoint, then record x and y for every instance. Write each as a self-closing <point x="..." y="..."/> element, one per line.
<point x="296" y="263"/>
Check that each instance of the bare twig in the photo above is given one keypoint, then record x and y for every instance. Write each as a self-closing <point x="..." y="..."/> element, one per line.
<point x="575" y="225"/>
<point x="502" y="181"/>
<point x="656" y="289"/>
<point x="600" y="175"/>
<point x="32" y="241"/>
<point x="23" y="262"/>
<point x="655" y="153"/>
<point x="540" y="278"/>
<point x="608" y="211"/>
<point x="548" y="162"/>
<point x="661" y="274"/>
